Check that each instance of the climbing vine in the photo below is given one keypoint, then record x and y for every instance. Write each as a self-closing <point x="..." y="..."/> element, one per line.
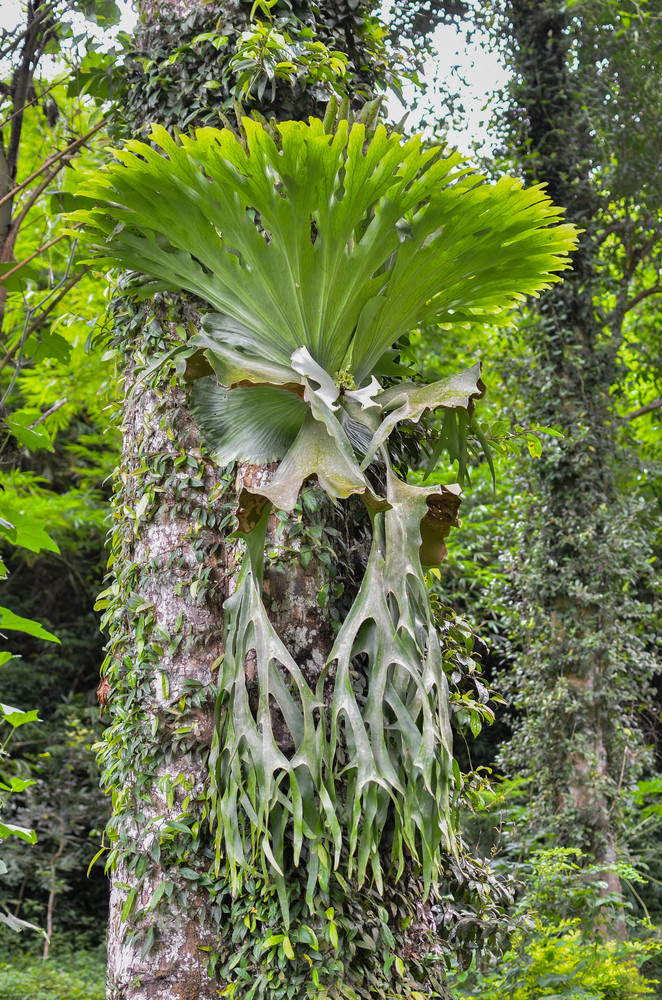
<point x="284" y="59"/>
<point x="577" y="598"/>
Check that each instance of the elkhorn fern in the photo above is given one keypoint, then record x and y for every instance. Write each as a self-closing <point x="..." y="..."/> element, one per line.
<point x="317" y="250"/>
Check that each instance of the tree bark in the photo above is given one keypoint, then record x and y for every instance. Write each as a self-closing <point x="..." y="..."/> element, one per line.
<point x="166" y="553"/>
<point x="173" y="568"/>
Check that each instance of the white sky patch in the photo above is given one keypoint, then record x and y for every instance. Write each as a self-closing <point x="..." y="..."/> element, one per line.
<point x="482" y="71"/>
<point x="13" y="14"/>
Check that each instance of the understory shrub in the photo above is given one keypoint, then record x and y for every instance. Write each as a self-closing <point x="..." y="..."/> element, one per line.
<point x="575" y="939"/>
<point x="66" y="977"/>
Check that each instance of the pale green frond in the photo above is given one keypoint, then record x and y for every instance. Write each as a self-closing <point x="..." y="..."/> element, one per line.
<point x="230" y="351"/>
<point x="268" y="750"/>
<point x="399" y="744"/>
<point x="318" y="454"/>
<point x="409" y="401"/>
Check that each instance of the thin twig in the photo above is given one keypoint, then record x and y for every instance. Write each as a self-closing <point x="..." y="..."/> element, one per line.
<point x="71" y="148"/>
<point x="24" y="336"/>
<point x="28" y="104"/>
<point x="45" y="311"/>
<point x="43" y="13"/>
<point x="56" y="406"/>
<point x="37" y="253"/>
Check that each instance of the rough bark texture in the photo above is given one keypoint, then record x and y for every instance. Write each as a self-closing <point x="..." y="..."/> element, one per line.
<point x="163" y="544"/>
<point x="181" y="573"/>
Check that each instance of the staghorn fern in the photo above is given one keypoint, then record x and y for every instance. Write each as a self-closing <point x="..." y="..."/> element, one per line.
<point x="316" y="251"/>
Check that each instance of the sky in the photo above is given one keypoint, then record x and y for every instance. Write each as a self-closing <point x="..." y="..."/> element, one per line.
<point x="482" y="71"/>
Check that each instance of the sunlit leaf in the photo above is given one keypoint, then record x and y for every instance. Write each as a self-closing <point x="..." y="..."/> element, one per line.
<point x="12" y="622"/>
<point x="24" y="529"/>
<point x="10" y="830"/>
<point x="32" y="438"/>
<point x="16" y="717"/>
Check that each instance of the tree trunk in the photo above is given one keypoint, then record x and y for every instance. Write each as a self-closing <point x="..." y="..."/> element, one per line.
<point x="578" y="538"/>
<point x="9" y="151"/>
<point x="173" y="568"/>
<point x="176" y="568"/>
<point x="180" y="571"/>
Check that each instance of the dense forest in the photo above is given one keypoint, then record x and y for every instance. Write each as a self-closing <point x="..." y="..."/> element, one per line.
<point x="330" y="502"/>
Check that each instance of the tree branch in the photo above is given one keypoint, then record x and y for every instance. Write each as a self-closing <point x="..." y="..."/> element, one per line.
<point x="16" y="223"/>
<point x="648" y="408"/>
<point x="43" y="13"/>
<point x="22" y="79"/>
<point x="52" y="409"/>
<point x="37" y="253"/>
<point x="42" y="316"/>
<point x="640" y="296"/>
<point x="71" y="148"/>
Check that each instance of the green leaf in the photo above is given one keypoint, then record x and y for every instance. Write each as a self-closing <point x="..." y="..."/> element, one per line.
<point x="10" y="830"/>
<point x="231" y="348"/>
<point x="15" y="717"/>
<point x="52" y="345"/>
<point x="128" y="903"/>
<point x="16" y="924"/>
<point x="534" y="444"/>
<point x="272" y="940"/>
<point x="20" y="784"/>
<point x="32" y="438"/>
<point x="156" y="895"/>
<point x="14" y="623"/>
<point x="306" y="935"/>
<point x="94" y="860"/>
<point x="22" y="528"/>
<point x="552" y="431"/>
